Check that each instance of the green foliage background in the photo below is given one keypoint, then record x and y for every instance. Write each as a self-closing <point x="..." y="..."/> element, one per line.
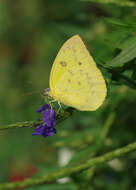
<point x="31" y="33"/>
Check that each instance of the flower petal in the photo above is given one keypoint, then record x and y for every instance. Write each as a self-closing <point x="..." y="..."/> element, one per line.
<point x="49" y="118"/>
<point x="39" y="130"/>
<point x="43" y="108"/>
<point x="48" y="132"/>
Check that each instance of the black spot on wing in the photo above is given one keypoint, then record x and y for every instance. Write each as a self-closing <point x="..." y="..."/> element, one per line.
<point x="63" y="63"/>
<point x="79" y="63"/>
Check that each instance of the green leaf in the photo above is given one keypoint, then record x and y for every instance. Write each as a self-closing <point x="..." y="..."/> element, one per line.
<point x="128" y="42"/>
<point x="120" y="23"/>
<point x="128" y="54"/>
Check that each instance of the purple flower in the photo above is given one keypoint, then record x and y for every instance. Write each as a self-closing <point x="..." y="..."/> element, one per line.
<point x="43" y="108"/>
<point x="49" y="121"/>
<point x="48" y="131"/>
<point x="39" y="130"/>
<point x="44" y="131"/>
<point x="49" y="117"/>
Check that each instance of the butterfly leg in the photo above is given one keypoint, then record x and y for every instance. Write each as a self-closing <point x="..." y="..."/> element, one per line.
<point x="59" y="107"/>
<point x="51" y="101"/>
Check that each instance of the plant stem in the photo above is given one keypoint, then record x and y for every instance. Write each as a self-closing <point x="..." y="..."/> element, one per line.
<point x="71" y="170"/>
<point x="66" y="114"/>
<point x="17" y="125"/>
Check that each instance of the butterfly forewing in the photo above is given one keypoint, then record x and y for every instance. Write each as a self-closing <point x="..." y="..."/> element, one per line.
<point x="75" y="80"/>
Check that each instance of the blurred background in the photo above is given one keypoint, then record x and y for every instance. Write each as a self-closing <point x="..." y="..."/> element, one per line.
<point x="31" y="33"/>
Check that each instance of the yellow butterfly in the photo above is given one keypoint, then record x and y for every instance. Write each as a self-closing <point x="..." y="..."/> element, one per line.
<point x="75" y="79"/>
